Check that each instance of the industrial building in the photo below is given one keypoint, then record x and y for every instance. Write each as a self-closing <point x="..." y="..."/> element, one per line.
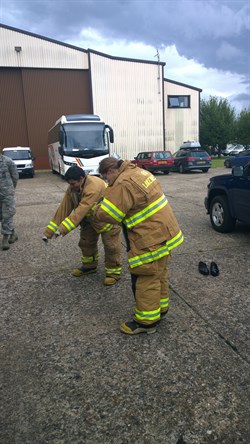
<point x="42" y="79"/>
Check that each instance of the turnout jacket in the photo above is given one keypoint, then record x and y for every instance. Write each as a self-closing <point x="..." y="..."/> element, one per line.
<point x="136" y="200"/>
<point x="77" y="208"/>
<point x="8" y="176"/>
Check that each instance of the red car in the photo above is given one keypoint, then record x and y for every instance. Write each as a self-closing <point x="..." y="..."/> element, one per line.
<point x="154" y="161"/>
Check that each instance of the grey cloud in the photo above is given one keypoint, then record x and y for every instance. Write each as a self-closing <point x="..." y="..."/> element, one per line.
<point x="226" y="51"/>
<point x="214" y="32"/>
<point x="240" y="101"/>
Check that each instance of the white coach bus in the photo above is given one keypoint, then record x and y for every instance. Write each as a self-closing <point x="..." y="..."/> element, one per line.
<point x="79" y="139"/>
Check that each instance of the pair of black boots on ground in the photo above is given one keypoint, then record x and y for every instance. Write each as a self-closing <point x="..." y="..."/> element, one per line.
<point x="203" y="269"/>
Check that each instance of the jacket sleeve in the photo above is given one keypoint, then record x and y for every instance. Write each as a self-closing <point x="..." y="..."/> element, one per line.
<point x="116" y="203"/>
<point x="13" y="173"/>
<point x="64" y="209"/>
<point x="90" y="196"/>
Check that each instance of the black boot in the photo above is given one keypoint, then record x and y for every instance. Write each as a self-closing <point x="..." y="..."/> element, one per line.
<point x="5" y="243"/>
<point x="13" y="237"/>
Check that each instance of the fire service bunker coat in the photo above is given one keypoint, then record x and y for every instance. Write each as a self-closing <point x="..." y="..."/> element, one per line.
<point x="77" y="209"/>
<point x="136" y="200"/>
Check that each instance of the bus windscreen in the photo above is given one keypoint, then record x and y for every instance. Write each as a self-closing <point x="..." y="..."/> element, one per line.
<point x="87" y="140"/>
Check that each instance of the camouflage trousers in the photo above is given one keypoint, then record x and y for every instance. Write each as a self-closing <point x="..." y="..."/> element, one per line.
<point x="7" y="211"/>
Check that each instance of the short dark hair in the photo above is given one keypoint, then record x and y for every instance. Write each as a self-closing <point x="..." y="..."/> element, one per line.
<point x="74" y="173"/>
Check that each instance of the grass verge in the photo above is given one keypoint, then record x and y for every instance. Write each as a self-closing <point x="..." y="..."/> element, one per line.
<point x="218" y="161"/>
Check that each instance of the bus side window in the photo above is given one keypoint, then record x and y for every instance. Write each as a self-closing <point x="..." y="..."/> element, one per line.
<point x="61" y="137"/>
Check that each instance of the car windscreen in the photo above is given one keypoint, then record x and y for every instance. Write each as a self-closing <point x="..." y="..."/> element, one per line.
<point x="18" y="155"/>
<point x="161" y="155"/>
<point x="198" y="154"/>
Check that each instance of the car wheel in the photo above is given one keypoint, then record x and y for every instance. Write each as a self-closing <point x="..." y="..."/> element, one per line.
<point x="220" y="216"/>
<point x="205" y="170"/>
<point x="166" y="172"/>
<point x="181" y="169"/>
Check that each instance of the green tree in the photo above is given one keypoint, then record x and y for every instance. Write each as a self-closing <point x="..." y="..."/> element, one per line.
<point x="217" y="122"/>
<point x="243" y="127"/>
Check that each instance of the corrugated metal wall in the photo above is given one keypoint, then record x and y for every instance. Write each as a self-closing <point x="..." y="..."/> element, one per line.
<point x="129" y="96"/>
<point x="13" y="125"/>
<point x="181" y="123"/>
<point x="38" y="52"/>
<point x="33" y="99"/>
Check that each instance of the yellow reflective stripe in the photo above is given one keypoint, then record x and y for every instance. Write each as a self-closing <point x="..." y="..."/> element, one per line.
<point x="107" y="227"/>
<point x="112" y="210"/>
<point x="150" y="256"/>
<point x="175" y="241"/>
<point x="113" y="270"/>
<point x="164" y="303"/>
<point x="52" y="226"/>
<point x="89" y="259"/>
<point x="146" y="212"/>
<point x="91" y="211"/>
<point x="155" y="255"/>
<point x="153" y="315"/>
<point x="68" y="224"/>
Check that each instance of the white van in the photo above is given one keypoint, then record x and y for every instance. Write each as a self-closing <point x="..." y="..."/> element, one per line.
<point x="23" y="158"/>
<point x="189" y="145"/>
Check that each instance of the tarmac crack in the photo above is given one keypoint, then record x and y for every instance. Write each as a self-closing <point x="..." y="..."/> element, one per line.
<point x="232" y="346"/>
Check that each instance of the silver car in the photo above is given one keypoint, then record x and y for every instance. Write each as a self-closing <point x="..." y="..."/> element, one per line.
<point x="233" y="148"/>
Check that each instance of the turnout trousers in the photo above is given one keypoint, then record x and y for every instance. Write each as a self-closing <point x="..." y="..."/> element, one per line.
<point x="151" y="292"/>
<point x="88" y="244"/>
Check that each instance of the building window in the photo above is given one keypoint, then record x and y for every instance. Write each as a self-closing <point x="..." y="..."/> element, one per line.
<point x="178" y="101"/>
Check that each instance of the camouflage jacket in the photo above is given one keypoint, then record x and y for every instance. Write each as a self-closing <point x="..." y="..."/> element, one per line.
<point x="8" y="176"/>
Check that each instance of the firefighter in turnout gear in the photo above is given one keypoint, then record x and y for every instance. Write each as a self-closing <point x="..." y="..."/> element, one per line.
<point x="76" y="209"/>
<point x="135" y="199"/>
<point x="8" y="181"/>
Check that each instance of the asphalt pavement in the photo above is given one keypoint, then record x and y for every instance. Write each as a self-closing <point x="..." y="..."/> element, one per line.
<point x="67" y="374"/>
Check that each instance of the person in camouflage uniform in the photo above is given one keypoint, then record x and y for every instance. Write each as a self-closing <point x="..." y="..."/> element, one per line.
<point x="8" y="181"/>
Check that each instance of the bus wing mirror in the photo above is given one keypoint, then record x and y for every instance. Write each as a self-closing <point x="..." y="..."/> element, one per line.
<point x="111" y="136"/>
<point x="111" y="133"/>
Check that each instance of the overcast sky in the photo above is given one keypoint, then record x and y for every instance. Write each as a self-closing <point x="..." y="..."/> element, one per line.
<point x="204" y="43"/>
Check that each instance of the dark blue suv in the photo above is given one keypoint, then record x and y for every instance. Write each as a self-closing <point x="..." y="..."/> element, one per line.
<point x="228" y="199"/>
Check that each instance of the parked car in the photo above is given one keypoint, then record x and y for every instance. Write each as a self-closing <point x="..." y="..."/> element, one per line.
<point x="241" y="158"/>
<point x="23" y="158"/>
<point x="231" y="148"/>
<point x="238" y="149"/>
<point x="228" y="199"/>
<point x="188" y="160"/>
<point x="190" y="144"/>
<point x="154" y="161"/>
